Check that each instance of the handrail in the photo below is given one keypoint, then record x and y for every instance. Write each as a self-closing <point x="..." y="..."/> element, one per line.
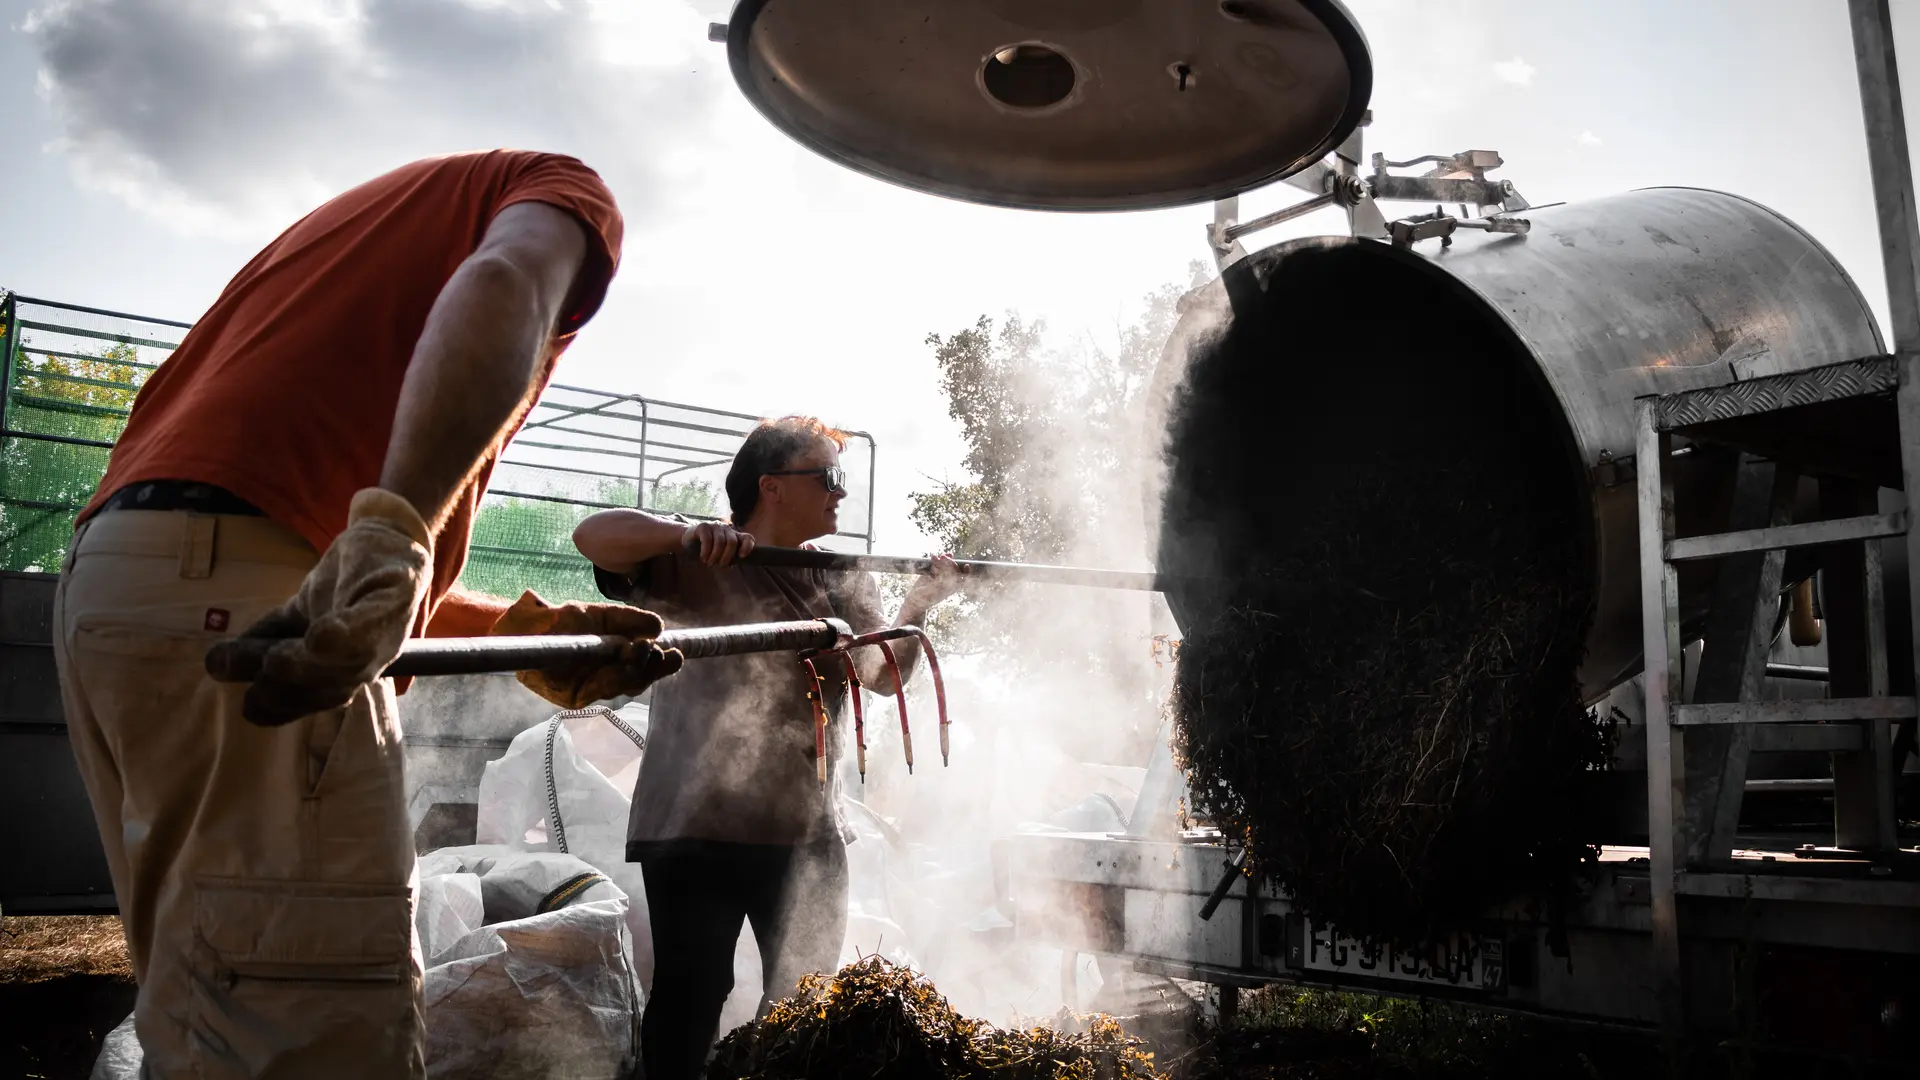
<point x="571" y="450"/>
<point x="37" y="302"/>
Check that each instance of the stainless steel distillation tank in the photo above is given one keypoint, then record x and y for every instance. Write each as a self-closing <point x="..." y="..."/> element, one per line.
<point x="1598" y="303"/>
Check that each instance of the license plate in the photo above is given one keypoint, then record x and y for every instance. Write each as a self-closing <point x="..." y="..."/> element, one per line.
<point x="1461" y="961"/>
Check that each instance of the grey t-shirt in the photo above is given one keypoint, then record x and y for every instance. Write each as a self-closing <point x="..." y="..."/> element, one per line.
<point x="730" y="747"/>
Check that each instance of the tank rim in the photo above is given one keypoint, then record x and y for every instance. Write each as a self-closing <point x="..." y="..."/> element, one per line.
<point x="1259" y="263"/>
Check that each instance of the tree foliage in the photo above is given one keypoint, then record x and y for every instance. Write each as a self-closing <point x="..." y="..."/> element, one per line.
<point x="694" y="498"/>
<point x="107" y="380"/>
<point x="521" y="544"/>
<point x="1054" y="448"/>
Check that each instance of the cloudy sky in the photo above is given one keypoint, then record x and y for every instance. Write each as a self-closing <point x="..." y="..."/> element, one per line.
<point x="153" y="145"/>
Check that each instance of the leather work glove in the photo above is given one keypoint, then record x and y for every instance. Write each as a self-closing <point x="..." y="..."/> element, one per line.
<point x="580" y="683"/>
<point x="351" y="615"/>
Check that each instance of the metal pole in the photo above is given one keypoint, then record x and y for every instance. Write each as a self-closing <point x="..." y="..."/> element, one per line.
<point x="1226" y="212"/>
<point x="1908" y="401"/>
<point x="893" y="564"/>
<point x="640" y="489"/>
<point x="9" y="313"/>
<point x="241" y="659"/>
<point x="873" y="479"/>
<point x="1232" y="872"/>
<point x="1879" y="732"/>
<point x="1285" y="214"/>
<point x="1887" y="159"/>
<point x="1660" y="629"/>
<point x="1893" y="196"/>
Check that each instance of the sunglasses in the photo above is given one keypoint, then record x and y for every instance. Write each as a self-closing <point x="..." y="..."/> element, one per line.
<point x="833" y="477"/>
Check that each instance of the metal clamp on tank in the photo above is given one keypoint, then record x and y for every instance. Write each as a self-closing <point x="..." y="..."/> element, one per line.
<point x="1440" y="225"/>
<point x="1455" y="178"/>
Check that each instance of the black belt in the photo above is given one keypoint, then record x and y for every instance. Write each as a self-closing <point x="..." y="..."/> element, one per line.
<point x="179" y="495"/>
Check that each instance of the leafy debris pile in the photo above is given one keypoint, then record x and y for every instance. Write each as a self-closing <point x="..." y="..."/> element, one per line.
<point x="876" y="1021"/>
<point x="1387" y="707"/>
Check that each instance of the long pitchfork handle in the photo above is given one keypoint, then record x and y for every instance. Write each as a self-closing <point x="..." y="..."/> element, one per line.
<point x="241" y="659"/>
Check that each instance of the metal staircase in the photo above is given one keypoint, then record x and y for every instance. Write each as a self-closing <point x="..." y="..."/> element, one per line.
<point x="1853" y="431"/>
<point x="1854" y="427"/>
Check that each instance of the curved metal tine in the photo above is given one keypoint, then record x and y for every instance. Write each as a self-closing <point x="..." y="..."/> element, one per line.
<point x="816" y="696"/>
<point x="859" y="715"/>
<point x="939" y="690"/>
<point x="899" y="695"/>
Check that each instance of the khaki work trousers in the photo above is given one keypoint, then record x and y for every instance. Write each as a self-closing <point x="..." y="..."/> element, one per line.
<point x="263" y="874"/>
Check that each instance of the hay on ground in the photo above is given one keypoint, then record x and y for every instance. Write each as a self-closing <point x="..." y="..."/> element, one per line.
<point x="35" y="948"/>
<point x="876" y="1021"/>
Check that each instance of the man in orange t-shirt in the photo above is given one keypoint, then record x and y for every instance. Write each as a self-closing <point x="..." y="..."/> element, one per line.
<point x="307" y="465"/>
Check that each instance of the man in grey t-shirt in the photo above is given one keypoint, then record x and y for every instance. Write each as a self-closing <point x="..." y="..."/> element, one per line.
<point x="729" y="823"/>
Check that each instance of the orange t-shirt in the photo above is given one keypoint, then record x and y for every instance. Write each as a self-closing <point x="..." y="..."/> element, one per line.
<point x="284" y="392"/>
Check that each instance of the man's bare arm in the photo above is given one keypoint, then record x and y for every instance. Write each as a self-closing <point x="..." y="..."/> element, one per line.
<point x="619" y="540"/>
<point x="480" y="354"/>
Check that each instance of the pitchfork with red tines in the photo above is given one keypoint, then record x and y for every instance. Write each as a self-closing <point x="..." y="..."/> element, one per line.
<point x="816" y="694"/>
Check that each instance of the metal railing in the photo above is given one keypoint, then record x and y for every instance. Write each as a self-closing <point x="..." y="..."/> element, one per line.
<point x="70" y="374"/>
<point x="656" y="445"/>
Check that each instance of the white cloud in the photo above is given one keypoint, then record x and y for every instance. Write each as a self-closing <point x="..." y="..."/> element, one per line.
<point x="1516" y="71"/>
<point x="1588" y="138"/>
<point x="228" y="117"/>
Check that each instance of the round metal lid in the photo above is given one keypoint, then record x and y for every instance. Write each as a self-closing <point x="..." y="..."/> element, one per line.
<point x="1058" y="104"/>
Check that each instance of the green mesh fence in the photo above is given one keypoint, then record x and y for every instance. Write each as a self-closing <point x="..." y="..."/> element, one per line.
<point x="72" y="372"/>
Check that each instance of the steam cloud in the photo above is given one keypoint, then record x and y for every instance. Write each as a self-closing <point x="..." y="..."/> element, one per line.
<point x="1062" y="742"/>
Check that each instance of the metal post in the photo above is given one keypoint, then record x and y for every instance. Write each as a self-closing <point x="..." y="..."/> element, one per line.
<point x="1857" y="668"/>
<point x="873" y="479"/>
<point x="1879" y="732"/>
<point x="1908" y="400"/>
<point x="1660" y="625"/>
<point x="9" y="344"/>
<point x="1225" y="249"/>
<point x="1893" y="196"/>
<point x="9" y="311"/>
<point x="640" y="488"/>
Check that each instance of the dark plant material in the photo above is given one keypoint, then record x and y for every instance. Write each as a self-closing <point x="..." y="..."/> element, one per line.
<point x="1287" y="1033"/>
<point x="876" y="1021"/>
<point x="1403" y="751"/>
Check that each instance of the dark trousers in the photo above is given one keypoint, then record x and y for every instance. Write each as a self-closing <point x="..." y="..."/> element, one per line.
<point x="697" y="897"/>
